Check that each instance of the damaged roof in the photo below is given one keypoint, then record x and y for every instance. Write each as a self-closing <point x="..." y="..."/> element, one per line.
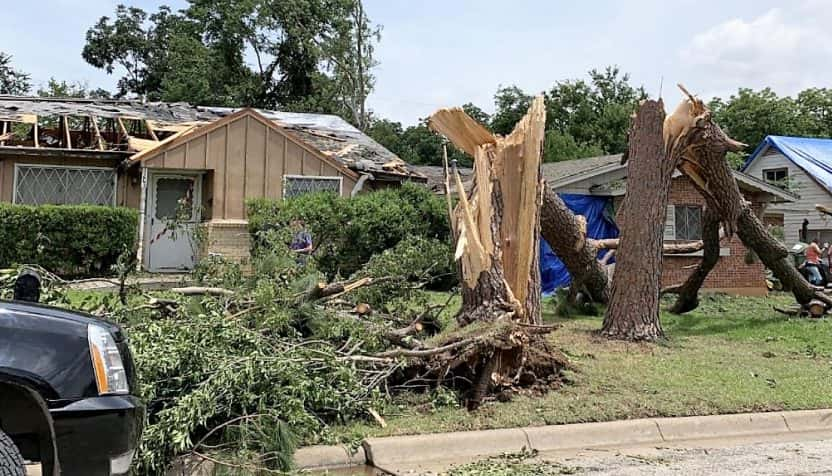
<point x="435" y="175"/>
<point x="330" y="134"/>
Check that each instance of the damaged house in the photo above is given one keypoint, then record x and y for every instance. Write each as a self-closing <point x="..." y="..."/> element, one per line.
<point x="181" y="166"/>
<point x="595" y="187"/>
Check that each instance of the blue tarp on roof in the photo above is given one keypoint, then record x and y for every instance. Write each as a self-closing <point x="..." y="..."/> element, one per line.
<point x="599" y="225"/>
<point x="812" y="155"/>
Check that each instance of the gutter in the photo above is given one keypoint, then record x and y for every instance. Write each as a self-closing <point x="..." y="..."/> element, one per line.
<point x="359" y="185"/>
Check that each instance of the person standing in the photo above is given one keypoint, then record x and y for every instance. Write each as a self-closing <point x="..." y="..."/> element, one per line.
<point x="301" y="241"/>
<point x="812" y="264"/>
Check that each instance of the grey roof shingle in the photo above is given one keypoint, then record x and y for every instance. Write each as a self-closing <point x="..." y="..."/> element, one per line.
<point x="555" y="172"/>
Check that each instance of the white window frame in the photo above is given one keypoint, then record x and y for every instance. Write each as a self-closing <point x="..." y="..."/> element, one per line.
<point x="315" y="177"/>
<point x="75" y="167"/>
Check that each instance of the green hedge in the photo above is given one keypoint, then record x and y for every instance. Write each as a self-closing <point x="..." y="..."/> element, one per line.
<point x="349" y="231"/>
<point x="68" y="240"/>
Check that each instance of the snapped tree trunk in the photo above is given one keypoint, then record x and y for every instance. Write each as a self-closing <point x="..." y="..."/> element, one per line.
<point x="633" y="312"/>
<point x="497" y="232"/>
<point x="702" y="147"/>
<point x="561" y="229"/>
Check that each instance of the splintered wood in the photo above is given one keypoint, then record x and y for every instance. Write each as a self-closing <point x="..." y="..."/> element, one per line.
<point x="498" y="226"/>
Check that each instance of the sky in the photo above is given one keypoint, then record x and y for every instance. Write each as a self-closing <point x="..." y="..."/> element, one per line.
<point x="439" y="53"/>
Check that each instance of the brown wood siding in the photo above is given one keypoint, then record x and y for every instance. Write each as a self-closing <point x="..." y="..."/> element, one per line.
<point x="124" y="187"/>
<point x="248" y="159"/>
<point x="255" y="181"/>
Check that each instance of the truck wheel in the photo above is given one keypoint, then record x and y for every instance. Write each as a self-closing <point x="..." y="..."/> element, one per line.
<point x="11" y="463"/>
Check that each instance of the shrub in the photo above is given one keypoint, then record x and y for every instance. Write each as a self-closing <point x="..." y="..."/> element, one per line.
<point x="348" y="231"/>
<point x="69" y="240"/>
<point x="413" y="264"/>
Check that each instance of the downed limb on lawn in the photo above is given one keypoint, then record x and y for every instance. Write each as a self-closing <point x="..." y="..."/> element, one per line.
<point x="497" y="230"/>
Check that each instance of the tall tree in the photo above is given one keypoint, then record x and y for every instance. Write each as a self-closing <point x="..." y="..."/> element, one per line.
<point x="596" y="114"/>
<point x="311" y="55"/>
<point x="749" y="116"/>
<point x="12" y="81"/>
<point x="633" y="312"/>
<point x="510" y="104"/>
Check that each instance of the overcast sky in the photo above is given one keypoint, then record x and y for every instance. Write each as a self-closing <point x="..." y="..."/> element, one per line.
<point x="436" y="53"/>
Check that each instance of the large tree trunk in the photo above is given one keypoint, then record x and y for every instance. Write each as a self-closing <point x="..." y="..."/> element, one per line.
<point x="497" y="231"/>
<point x="633" y="312"/>
<point x="688" y="292"/>
<point x="561" y="229"/>
<point x="702" y="148"/>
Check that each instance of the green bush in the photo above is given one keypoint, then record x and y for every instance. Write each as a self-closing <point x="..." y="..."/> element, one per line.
<point x="66" y="239"/>
<point x="347" y="232"/>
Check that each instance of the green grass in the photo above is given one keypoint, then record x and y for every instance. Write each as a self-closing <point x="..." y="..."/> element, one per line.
<point x="731" y="355"/>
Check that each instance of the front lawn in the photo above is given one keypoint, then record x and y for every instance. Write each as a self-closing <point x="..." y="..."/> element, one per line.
<point x="730" y="355"/>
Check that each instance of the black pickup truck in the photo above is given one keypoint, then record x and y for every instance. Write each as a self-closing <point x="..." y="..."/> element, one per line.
<point x="67" y="393"/>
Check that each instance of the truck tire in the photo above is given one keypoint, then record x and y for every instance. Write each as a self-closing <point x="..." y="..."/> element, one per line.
<point x="11" y="463"/>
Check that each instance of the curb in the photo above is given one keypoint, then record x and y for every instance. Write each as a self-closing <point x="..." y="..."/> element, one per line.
<point x="395" y="451"/>
<point x="328" y="457"/>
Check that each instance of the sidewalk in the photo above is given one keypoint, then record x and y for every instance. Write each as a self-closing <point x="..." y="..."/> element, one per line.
<point x="420" y="454"/>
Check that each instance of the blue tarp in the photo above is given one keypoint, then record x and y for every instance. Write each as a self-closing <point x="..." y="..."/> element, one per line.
<point x="814" y="156"/>
<point x="599" y="225"/>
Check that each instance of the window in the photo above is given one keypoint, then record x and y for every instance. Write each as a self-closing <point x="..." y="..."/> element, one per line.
<point x="294" y="185"/>
<point x="688" y="222"/>
<point x="58" y="185"/>
<point x="778" y="177"/>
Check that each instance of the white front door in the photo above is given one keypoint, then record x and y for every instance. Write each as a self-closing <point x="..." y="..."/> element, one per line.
<point x="172" y="215"/>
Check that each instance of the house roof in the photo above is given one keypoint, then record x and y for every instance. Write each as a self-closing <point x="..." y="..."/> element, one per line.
<point x="813" y="155"/>
<point x="435" y="175"/>
<point x="558" y="174"/>
<point x="329" y="134"/>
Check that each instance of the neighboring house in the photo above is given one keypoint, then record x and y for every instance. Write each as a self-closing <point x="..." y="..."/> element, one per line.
<point x="736" y="272"/>
<point x="181" y="165"/>
<point x="802" y="166"/>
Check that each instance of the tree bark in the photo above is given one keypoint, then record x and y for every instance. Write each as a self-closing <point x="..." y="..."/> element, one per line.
<point x="560" y="228"/>
<point x="633" y="312"/>
<point x="702" y="148"/>
<point x="497" y="233"/>
<point x="688" y="292"/>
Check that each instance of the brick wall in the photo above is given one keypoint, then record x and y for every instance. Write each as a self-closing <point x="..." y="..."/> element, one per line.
<point x="229" y="238"/>
<point x="732" y="273"/>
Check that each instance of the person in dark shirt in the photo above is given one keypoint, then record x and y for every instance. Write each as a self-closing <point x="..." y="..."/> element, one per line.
<point x="301" y="241"/>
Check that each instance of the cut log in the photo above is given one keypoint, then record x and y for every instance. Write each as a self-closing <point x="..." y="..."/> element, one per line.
<point x="633" y="312"/>
<point x="816" y="308"/>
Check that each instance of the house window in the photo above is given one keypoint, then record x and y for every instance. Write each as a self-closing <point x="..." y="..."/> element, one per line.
<point x="778" y="177"/>
<point x="294" y="185"/>
<point x="60" y="185"/>
<point x="688" y="222"/>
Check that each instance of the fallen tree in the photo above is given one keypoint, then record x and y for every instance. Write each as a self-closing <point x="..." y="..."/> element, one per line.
<point x="566" y="234"/>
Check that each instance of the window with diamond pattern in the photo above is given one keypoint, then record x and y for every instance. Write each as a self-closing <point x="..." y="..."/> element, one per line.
<point x="43" y="185"/>
<point x="294" y="186"/>
<point x="688" y="223"/>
